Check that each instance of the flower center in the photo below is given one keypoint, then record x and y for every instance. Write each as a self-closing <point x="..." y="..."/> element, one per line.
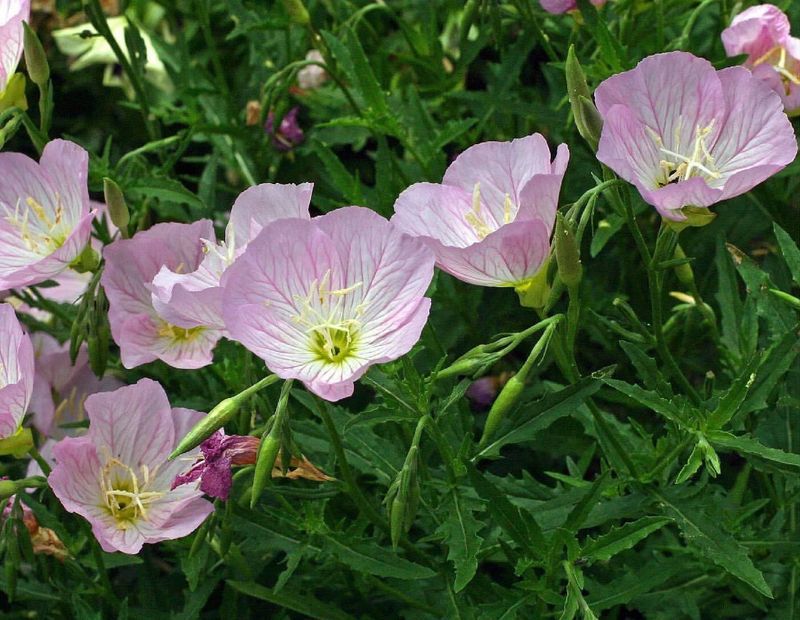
<point x="676" y="166"/>
<point x="125" y="493"/>
<point x="333" y="337"/>
<point x="786" y="66"/>
<point x="179" y="334"/>
<point x="40" y="231"/>
<point x="476" y="219"/>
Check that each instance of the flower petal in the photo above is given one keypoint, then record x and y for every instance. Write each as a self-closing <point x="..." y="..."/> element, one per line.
<point x="263" y="204"/>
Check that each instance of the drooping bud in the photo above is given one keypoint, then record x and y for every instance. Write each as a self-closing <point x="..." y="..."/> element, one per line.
<point x="117" y="207"/>
<point x="568" y="255"/>
<point x="403" y="498"/>
<point x="35" y="58"/>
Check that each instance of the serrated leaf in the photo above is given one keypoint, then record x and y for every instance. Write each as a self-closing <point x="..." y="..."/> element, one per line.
<point x="650" y="400"/>
<point x="776" y="362"/>
<point x="526" y="533"/>
<point x="646" y="368"/>
<point x="712" y="542"/>
<point x="751" y="446"/>
<point x="622" y="538"/>
<point x="374" y="560"/>
<point x="460" y="532"/>
<point x="733" y="398"/>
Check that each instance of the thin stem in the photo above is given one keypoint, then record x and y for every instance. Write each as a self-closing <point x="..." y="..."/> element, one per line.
<point x="43" y="465"/>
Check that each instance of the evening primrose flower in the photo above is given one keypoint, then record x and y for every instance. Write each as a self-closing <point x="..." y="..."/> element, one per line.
<point x="60" y="388"/>
<point x="762" y="32"/>
<point x="143" y="335"/>
<point x="87" y="47"/>
<point x="45" y="219"/>
<point x="12" y="14"/>
<point x="323" y="300"/>
<point x="489" y="222"/>
<point x="192" y="298"/>
<point x="117" y="476"/>
<point x="16" y="372"/>
<point x="687" y="135"/>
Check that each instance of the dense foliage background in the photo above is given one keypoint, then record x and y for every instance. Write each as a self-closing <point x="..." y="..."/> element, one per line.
<point x="573" y="509"/>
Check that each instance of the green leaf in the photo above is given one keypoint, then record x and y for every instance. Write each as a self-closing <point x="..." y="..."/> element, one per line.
<point x="541" y="414"/>
<point x="525" y="532"/>
<point x="165" y="189"/>
<point x="646" y="368"/>
<point x="460" y="533"/>
<point x="790" y="251"/>
<point x="611" y="51"/>
<point x="748" y="445"/>
<point x="302" y="602"/>
<point x="622" y="538"/>
<point x="650" y="400"/>
<point x="732" y="400"/>
<point x="713" y="542"/>
<point x="374" y="560"/>
<point x="730" y="303"/>
<point x="344" y="182"/>
<point x="580" y="512"/>
<point x="776" y="363"/>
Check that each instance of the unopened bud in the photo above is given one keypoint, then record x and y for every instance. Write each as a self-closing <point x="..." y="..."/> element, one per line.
<point x="684" y="270"/>
<point x="568" y="256"/>
<point x="587" y="118"/>
<point x="35" y="58"/>
<point x="252" y="113"/>
<point x="297" y="12"/>
<point x="117" y="207"/>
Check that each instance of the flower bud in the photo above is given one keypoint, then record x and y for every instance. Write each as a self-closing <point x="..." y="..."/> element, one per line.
<point x="35" y="58"/>
<point x="587" y="118"/>
<point x="684" y="270"/>
<point x="117" y="207"/>
<point x="568" y="255"/>
<point x="297" y="12"/>
<point x="216" y="419"/>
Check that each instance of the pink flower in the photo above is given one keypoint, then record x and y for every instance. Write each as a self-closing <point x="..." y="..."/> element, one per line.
<point x="117" y="476"/>
<point x="323" y="300"/>
<point x="12" y="14"/>
<point x="687" y="135"/>
<point x="288" y="134"/>
<point x="141" y="333"/>
<point x="194" y="298"/>
<point x="16" y="372"/>
<point x="45" y="221"/>
<point x="60" y="388"/>
<point x="562" y="6"/>
<point x="489" y="221"/>
<point x="762" y="32"/>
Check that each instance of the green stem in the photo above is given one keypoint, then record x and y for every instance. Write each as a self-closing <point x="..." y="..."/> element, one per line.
<point x="43" y="465"/>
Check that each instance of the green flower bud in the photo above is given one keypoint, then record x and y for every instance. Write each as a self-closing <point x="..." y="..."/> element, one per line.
<point x="587" y="119"/>
<point x="683" y="271"/>
<point x="297" y="12"/>
<point x="568" y="256"/>
<point x="35" y="58"/>
<point x="117" y="207"/>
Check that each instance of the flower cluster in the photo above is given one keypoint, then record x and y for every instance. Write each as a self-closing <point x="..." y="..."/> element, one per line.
<point x="320" y="299"/>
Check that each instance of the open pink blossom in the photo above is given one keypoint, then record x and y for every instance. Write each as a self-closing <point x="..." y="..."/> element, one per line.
<point x="117" y="475"/>
<point x="762" y="32"/>
<point x="60" y="387"/>
<point x="45" y="219"/>
<point x="323" y="300"/>
<point x="193" y="298"/>
<point x="16" y="372"/>
<point x="131" y="264"/>
<point x="686" y="134"/>
<point x="489" y="221"/>
<point x="562" y="6"/>
<point x="12" y="14"/>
